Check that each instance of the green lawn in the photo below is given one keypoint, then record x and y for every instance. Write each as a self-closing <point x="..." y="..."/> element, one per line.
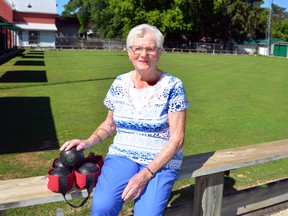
<point x="235" y="101"/>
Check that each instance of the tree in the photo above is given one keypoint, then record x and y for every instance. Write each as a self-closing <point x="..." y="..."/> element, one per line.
<point x="167" y="15"/>
<point x="80" y="8"/>
<point x="279" y="22"/>
<point x="280" y="30"/>
<point x="278" y="13"/>
<point x="247" y="17"/>
<point x="194" y="20"/>
<point x="114" y="18"/>
<point x="101" y="19"/>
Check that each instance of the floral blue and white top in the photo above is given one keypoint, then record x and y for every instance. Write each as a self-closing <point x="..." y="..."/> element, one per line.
<point x="141" y="117"/>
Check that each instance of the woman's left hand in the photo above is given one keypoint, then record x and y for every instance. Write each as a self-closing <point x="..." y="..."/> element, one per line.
<point x="136" y="185"/>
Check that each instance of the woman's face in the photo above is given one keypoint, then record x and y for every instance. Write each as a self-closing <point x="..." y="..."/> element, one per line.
<point x="143" y="52"/>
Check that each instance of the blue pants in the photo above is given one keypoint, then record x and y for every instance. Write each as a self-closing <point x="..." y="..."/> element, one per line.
<point x="114" y="177"/>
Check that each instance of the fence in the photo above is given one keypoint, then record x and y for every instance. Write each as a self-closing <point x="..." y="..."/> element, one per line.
<point x="63" y="42"/>
<point x="87" y="43"/>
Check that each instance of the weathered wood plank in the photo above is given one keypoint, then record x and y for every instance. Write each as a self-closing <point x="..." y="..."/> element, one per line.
<point x="31" y="191"/>
<point x="243" y="201"/>
<point x="251" y="199"/>
<point x="17" y="193"/>
<point x="208" y="195"/>
<point x="228" y="159"/>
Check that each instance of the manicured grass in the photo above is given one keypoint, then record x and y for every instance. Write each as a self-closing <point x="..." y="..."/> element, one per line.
<point x="235" y="101"/>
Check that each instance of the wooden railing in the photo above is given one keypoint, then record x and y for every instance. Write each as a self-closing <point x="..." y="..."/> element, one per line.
<point x="208" y="170"/>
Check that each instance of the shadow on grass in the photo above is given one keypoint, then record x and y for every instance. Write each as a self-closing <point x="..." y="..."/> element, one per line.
<point x="29" y="63"/>
<point x="27" y="125"/>
<point x="24" y="76"/>
<point x="8" y="56"/>
<point x="32" y="57"/>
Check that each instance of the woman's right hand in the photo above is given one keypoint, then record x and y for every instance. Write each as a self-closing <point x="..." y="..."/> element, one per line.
<point x="81" y="145"/>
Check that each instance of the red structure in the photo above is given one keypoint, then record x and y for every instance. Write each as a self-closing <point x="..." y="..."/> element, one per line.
<point x="7" y="28"/>
<point x="27" y="23"/>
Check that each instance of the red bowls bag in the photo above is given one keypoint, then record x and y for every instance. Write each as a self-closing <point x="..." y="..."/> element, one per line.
<point x="60" y="179"/>
<point x="73" y="167"/>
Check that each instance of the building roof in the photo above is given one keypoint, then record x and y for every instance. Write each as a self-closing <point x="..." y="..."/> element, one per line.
<point x="33" y="6"/>
<point x="5" y="24"/>
<point x="244" y="41"/>
<point x="37" y="26"/>
<point x="272" y="41"/>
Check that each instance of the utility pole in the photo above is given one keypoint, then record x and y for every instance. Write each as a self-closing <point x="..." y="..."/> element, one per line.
<point x="268" y="29"/>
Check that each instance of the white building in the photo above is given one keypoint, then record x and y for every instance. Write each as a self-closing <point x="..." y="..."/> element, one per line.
<point x="36" y="18"/>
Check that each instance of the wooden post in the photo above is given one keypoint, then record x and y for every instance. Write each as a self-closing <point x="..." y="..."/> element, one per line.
<point x="208" y="195"/>
<point x="2" y="212"/>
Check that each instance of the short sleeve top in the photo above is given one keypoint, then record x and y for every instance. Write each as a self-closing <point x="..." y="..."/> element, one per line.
<point x="141" y="117"/>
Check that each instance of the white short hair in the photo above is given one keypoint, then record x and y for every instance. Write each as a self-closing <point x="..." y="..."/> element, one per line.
<point x="141" y="30"/>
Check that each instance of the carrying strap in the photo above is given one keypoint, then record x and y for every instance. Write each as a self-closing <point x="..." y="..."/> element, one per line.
<point x="90" y="179"/>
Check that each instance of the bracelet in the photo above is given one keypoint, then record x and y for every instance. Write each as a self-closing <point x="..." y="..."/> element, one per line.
<point x="103" y="130"/>
<point x="152" y="173"/>
<point x="98" y="137"/>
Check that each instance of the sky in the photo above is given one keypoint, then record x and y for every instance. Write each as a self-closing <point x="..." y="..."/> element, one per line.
<point x="281" y="3"/>
<point x="61" y="3"/>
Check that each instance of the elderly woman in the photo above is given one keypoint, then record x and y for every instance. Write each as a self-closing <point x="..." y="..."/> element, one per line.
<point x="147" y="109"/>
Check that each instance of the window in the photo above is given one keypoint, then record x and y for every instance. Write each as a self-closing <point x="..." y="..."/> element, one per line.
<point x="33" y="37"/>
